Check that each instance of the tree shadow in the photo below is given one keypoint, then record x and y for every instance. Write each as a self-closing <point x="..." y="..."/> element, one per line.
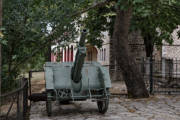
<point x="74" y="109"/>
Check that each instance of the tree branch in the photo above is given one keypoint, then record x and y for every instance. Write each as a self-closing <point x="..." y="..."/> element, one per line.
<point x="99" y="4"/>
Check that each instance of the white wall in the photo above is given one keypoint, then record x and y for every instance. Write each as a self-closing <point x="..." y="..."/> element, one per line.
<point x="106" y="47"/>
<point x="174" y="50"/>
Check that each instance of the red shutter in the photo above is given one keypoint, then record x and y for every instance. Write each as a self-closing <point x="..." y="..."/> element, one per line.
<point x="65" y="54"/>
<point x="61" y="55"/>
<point x="68" y="55"/>
<point x="72" y="53"/>
<point x="52" y="57"/>
<point x="55" y="57"/>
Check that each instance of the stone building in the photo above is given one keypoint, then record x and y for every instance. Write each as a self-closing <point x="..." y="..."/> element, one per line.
<point x="105" y="57"/>
<point x="171" y="56"/>
<point x="172" y="51"/>
<point x="102" y="55"/>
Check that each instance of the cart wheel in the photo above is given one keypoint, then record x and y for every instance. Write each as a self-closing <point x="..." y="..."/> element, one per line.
<point x="48" y="105"/>
<point x="65" y="102"/>
<point x="103" y="105"/>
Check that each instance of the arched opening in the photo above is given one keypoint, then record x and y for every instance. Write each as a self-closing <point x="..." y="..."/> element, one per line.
<point x="91" y="54"/>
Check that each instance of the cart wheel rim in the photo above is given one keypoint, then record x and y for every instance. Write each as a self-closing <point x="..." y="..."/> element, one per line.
<point x="103" y="106"/>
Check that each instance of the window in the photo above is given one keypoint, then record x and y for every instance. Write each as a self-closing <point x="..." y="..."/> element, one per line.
<point x="100" y="55"/>
<point x="104" y="54"/>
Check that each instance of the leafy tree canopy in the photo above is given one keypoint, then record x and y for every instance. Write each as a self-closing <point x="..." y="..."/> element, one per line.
<point x="154" y="18"/>
<point x="30" y="25"/>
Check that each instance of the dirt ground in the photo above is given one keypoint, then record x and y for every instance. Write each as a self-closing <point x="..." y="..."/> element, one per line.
<point x="158" y="107"/>
<point x="37" y="82"/>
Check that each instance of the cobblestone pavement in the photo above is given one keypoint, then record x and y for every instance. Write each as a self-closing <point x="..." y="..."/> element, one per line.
<point x="159" y="107"/>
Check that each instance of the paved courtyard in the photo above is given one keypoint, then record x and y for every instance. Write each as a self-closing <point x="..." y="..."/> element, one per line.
<point x="159" y="107"/>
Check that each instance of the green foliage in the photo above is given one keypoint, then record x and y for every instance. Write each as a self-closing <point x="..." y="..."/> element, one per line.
<point x="154" y="18"/>
<point x="95" y="24"/>
<point x="97" y="21"/>
<point x="29" y="28"/>
<point x="157" y="19"/>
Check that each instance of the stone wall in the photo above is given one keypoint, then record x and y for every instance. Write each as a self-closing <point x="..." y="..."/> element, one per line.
<point x="172" y="51"/>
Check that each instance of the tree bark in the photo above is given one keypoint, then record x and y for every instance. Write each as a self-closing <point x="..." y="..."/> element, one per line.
<point x="125" y="60"/>
<point x="48" y="53"/>
<point x="0" y="45"/>
<point x="148" y="45"/>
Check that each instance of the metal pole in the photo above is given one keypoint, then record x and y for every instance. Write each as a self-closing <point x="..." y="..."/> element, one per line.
<point x="151" y="75"/>
<point x="0" y="47"/>
<point x="18" y="107"/>
<point x="30" y="75"/>
<point x="25" y="98"/>
<point x="142" y="66"/>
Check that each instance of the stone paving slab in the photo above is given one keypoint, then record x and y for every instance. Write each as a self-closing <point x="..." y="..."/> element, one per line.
<point x="154" y="108"/>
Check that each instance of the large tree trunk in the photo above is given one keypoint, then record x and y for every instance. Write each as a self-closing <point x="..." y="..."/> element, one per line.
<point x="133" y="78"/>
<point x="0" y="45"/>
